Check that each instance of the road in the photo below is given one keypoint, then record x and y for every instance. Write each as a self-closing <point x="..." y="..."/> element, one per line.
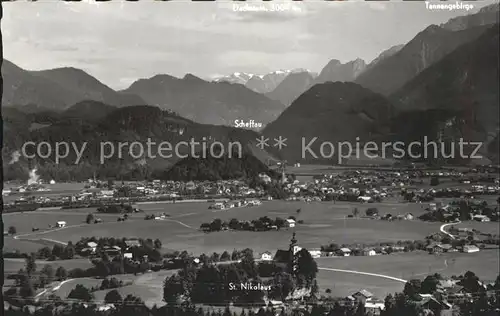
<point x="442" y="229"/>
<point x="52" y="289"/>
<point x="383" y="276"/>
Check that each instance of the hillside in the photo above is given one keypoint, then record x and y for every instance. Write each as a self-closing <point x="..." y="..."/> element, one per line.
<point x="486" y="16"/>
<point x="56" y="89"/>
<point x="213" y="169"/>
<point x="88" y="110"/>
<point x="465" y="82"/>
<point x="218" y="103"/>
<point x="290" y="88"/>
<point x="332" y="112"/>
<point x="125" y="125"/>
<point x="425" y="49"/>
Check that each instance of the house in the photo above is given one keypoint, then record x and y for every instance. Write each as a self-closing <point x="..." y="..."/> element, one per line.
<point x="92" y="246"/>
<point x="438" y="248"/>
<point x="275" y="304"/>
<point x="315" y="253"/>
<point x="128" y="255"/>
<point x="362" y="295"/>
<point x="61" y="224"/>
<point x="430" y="302"/>
<point x="266" y="256"/>
<point x="344" y="252"/>
<point x="218" y="206"/>
<point x="369" y="252"/>
<point x="132" y="243"/>
<point x="481" y="218"/>
<point x="374" y="306"/>
<point x="409" y="216"/>
<point x="290" y="223"/>
<point x="364" y="198"/>
<point x="470" y="248"/>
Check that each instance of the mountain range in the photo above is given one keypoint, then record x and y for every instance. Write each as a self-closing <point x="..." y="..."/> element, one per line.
<point x="261" y="83"/>
<point x="57" y="89"/>
<point x="219" y="103"/>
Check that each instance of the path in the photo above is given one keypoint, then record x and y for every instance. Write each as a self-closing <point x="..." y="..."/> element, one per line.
<point x="445" y="232"/>
<point x="52" y="289"/>
<point x="365" y="273"/>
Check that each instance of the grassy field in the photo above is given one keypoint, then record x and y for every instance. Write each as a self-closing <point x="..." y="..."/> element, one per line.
<point x="324" y="222"/>
<point x="483" y="227"/>
<point x="13" y="265"/>
<point x="485" y="264"/>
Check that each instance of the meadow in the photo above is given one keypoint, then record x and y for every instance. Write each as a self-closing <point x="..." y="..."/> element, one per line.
<point x="324" y="222"/>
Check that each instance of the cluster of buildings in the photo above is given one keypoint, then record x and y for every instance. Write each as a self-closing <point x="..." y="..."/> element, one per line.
<point x="232" y="204"/>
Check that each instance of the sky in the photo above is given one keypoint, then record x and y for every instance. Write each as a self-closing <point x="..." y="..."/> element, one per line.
<point x="119" y="43"/>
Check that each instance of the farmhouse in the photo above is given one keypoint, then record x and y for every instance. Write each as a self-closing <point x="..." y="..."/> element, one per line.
<point x="218" y="206"/>
<point x="470" y="248"/>
<point x="266" y="256"/>
<point x="290" y="223"/>
<point x="369" y="252"/>
<point x="364" y="198"/>
<point x="344" y="252"/>
<point x="132" y="243"/>
<point x="92" y="246"/>
<point x="438" y="248"/>
<point x="374" y="306"/>
<point x="61" y="224"/>
<point x="481" y="218"/>
<point x="315" y="253"/>
<point x="360" y="296"/>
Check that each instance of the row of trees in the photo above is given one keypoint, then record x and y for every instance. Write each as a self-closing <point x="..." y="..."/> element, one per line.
<point x="116" y="209"/>
<point x="261" y="224"/>
<point x="389" y="247"/>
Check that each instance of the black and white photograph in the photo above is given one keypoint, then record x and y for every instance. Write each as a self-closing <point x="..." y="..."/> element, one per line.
<point x="250" y="158"/>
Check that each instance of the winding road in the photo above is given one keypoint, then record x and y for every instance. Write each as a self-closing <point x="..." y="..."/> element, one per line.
<point x="442" y="229"/>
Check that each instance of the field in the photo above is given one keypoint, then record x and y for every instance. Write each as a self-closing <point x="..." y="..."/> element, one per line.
<point x="324" y="222"/>
<point x="12" y="265"/>
<point x="485" y="264"/>
<point x="55" y="190"/>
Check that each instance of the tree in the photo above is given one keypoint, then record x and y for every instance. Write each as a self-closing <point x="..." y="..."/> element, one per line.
<point x="80" y="292"/>
<point x="48" y="272"/>
<point x="57" y="250"/>
<point x="113" y="297"/>
<point x="44" y="253"/>
<point x="27" y="290"/>
<point x="412" y="288"/>
<point x="225" y="256"/>
<point x="90" y="218"/>
<point x="372" y="211"/>
<point x="157" y="243"/>
<point x="306" y="266"/>
<point x="69" y="251"/>
<point x="30" y="264"/>
<point x="355" y="212"/>
<point x="61" y="273"/>
<point x="434" y="181"/>
<point x="429" y="285"/>
<point x="12" y="230"/>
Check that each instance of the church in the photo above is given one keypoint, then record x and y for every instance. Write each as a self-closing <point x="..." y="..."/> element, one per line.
<point x="288" y="257"/>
